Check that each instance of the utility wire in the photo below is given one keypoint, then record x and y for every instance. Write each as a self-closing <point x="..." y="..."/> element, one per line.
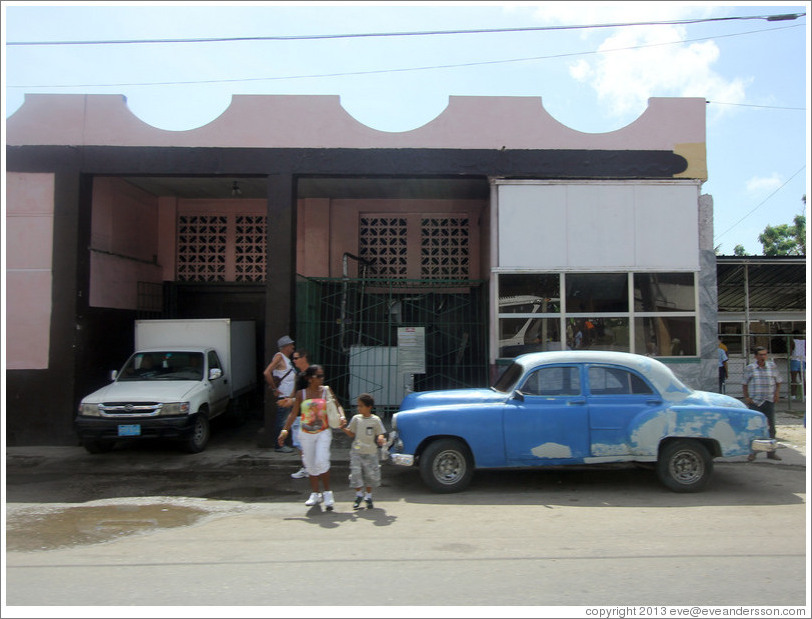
<point x="760" y="204"/>
<point x="309" y="37"/>
<point x="766" y="107"/>
<point x="401" y="70"/>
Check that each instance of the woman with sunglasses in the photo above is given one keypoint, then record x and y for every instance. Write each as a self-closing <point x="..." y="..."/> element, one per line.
<point x="315" y="435"/>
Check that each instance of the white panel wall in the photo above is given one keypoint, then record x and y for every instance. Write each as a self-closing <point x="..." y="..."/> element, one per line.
<point x="29" y="257"/>
<point x="598" y="225"/>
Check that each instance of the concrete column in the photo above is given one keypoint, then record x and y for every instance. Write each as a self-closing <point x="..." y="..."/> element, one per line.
<point x="280" y="287"/>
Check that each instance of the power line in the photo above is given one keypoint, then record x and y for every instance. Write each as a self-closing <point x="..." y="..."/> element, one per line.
<point x="760" y="204"/>
<point x="766" y="107"/>
<point x="310" y="37"/>
<point x="401" y="70"/>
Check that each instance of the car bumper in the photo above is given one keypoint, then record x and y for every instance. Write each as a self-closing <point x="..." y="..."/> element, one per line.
<point x="765" y="444"/>
<point x="402" y="459"/>
<point x="93" y="428"/>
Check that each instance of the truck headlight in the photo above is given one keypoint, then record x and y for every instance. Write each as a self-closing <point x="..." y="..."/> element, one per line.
<point x="175" y="408"/>
<point x="89" y="410"/>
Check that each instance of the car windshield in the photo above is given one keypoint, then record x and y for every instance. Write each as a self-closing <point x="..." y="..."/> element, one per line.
<point x="506" y="383"/>
<point x="163" y="365"/>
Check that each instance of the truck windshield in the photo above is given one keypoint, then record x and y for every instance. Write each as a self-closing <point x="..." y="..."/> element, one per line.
<point x="164" y="365"/>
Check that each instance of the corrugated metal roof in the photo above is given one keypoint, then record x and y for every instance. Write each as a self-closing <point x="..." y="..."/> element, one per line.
<point x="776" y="283"/>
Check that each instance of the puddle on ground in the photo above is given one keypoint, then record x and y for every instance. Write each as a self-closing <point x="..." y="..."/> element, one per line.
<point x="93" y="524"/>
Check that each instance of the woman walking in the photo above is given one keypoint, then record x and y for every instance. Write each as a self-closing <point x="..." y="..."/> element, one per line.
<point x="315" y="435"/>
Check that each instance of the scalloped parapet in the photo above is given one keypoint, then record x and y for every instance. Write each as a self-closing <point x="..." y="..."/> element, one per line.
<point x="318" y="121"/>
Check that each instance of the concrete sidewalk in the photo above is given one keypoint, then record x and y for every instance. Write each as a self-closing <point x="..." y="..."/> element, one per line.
<point x="228" y="448"/>
<point x="234" y="448"/>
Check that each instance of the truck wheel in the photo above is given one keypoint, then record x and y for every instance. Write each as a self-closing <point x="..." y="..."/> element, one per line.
<point x="199" y="438"/>
<point x="446" y="466"/>
<point x="684" y="466"/>
<point x="98" y="447"/>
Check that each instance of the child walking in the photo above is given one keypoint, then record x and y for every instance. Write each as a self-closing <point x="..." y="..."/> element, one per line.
<point x="368" y="433"/>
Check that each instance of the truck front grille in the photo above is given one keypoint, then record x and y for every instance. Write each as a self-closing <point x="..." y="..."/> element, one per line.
<point x="130" y="409"/>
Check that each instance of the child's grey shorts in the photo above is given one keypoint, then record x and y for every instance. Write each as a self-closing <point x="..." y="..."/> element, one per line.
<point x="365" y="470"/>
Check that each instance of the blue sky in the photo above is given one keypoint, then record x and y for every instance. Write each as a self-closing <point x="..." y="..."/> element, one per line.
<point x="754" y="73"/>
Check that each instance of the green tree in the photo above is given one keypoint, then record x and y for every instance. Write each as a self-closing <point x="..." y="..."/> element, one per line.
<point x="785" y="240"/>
<point x="740" y="251"/>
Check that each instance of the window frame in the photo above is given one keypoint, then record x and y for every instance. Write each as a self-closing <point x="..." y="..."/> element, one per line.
<point x="632" y="315"/>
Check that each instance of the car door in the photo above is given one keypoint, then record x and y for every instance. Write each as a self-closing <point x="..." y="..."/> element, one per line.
<point x="547" y="420"/>
<point x="218" y="387"/>
<point x="616" y="396"/>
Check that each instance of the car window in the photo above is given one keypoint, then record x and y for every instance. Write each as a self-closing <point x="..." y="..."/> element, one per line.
<point x="553" y="381"/>
<point x="507" y="380"/>
<point x="616" y="381"/>
<point x="214" y="360"/>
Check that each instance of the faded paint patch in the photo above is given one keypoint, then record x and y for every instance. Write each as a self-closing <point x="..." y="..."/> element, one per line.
<point x="646" y="437"/>
<point x="727" y="437"/>
<point x="609" y="449"/>
<point x="552" y="450"/>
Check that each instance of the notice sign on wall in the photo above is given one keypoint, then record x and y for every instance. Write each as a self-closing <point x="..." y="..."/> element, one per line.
<point x="412" y="350"/>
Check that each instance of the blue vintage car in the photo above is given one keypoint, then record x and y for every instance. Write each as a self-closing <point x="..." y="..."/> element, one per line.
<point x="575" y="408"/>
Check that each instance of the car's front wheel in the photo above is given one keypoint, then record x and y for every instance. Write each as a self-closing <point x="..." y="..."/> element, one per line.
<point x="199" y="437"/>
<point x="684" y="466"/>
<point x="446" y="466"/>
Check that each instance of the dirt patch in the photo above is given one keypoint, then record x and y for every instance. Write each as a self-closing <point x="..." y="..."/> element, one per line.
<point x="794" y="436"/>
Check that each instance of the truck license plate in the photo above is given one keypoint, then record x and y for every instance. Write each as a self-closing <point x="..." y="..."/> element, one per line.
<point x="133" y="429"/>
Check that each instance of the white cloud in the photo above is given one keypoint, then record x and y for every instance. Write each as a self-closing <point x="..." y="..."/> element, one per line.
<point x="764" y="184"/>
<point x="654" y="63"/>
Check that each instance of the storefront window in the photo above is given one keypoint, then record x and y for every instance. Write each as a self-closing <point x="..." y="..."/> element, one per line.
<point x="646" y="313"/>
<point x="598" y="333"/>
<point x="529" y="293"/>
<point x="597" y="292"/>
<point x="664" y="292"/>
<point x="666" y="336"/>
<point x="518" y="336"/>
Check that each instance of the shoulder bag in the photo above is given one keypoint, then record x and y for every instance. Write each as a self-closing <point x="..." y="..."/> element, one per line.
<point x="333" y="413"/>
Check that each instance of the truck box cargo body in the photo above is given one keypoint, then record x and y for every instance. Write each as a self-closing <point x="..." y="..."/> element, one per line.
<point x="233" y="340"/>
<point x="183" y="374"/>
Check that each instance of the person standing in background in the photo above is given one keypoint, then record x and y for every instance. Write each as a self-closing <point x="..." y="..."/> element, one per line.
<point x="761" y="384"/>
<point x="723" y="374"/>
<point x="797" y="366"/>
<point x="282" y="368"/>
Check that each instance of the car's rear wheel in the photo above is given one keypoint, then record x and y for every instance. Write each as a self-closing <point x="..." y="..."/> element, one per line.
<point x="684" y="466"/>
<point x="446" y="466"/>
<point x="199" y="437"/>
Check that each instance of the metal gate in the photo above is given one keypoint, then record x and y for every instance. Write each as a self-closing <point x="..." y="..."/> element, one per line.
<point x="350" y="326"/>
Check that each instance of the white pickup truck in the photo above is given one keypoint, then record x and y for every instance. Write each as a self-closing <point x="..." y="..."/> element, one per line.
<point x="183" y="374"/>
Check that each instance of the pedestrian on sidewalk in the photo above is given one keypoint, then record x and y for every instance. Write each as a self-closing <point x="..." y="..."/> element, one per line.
<point x="367" y="431"/>
<point x="315" y="434"/>
<point x="761" y="384"/>
<point x="301" y="362"/>
<point x="282" y="368"/>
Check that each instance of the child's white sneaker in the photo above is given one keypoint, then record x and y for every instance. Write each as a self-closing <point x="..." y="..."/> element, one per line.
<point x="315" y="499"/>
<point x="328" y="500"/>
<point x="302" y="472"/>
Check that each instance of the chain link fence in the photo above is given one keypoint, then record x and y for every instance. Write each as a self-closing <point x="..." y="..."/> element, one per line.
<point x="351" y="326"/>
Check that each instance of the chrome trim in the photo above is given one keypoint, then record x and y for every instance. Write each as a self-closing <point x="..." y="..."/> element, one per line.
<point x="765" y="444"/>
<point x="148" y="409"/>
